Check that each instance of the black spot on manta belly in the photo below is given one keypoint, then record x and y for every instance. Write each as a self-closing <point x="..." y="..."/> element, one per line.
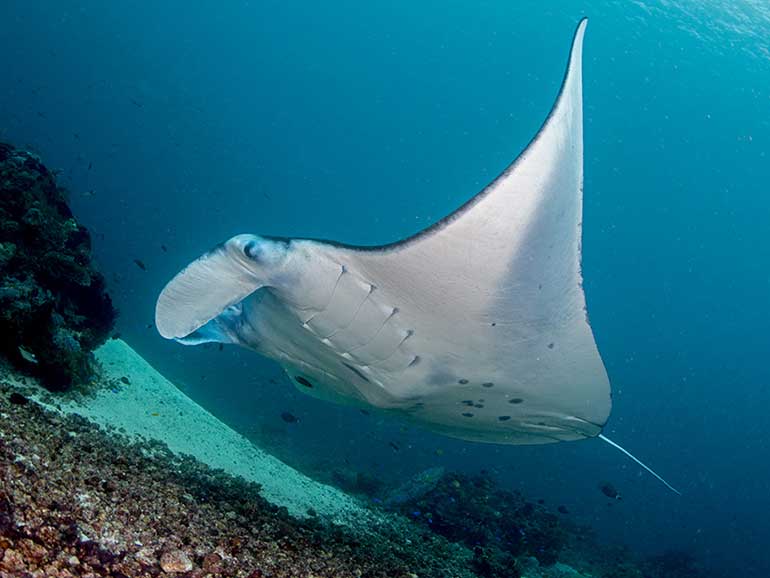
<point x="487" y="384"/>
<point x="467" y="414"/>
<point x="462" y="381"/>
<point x="302" y="381"/>
<point x="516" y="400"/>
<point x="503" y="417"/>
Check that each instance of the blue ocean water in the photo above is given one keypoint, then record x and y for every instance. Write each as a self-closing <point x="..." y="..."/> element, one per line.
<point x="176" y="125"/>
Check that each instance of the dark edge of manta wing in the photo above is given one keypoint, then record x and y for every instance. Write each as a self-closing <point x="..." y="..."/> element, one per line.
<point x="440" y="224"/>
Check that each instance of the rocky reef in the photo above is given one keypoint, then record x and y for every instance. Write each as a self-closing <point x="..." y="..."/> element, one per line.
<point x="511" y="536"/>
<point x="80" y="500"/>
<point x="54" y="309"/>
<point x="499" y="526"/>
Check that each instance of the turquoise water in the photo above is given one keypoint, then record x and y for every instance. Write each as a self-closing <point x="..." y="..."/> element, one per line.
<point x="182" y="124"/>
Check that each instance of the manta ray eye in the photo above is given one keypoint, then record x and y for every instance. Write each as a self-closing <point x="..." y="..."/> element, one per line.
<point x="251" y="249"/>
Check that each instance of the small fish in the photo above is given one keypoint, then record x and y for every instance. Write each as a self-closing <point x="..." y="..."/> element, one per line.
<point x="609" y="490"/>
<point x="563" y="510"/>
<point x="395" y="447"/>
<point x="136" y="103"/>
<point x="87" y="194"/>
<point x="289" y="418"/>
<point x="365" y="412"/>
<point x="221" y="347"/>
<point x="140" y="264"/>
<point x="28" y="355"/>
<point x="89" y="166"/>
<point x="164" y="248"/>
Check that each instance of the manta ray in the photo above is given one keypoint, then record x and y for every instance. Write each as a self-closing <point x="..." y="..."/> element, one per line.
<point x="475" y="327"/>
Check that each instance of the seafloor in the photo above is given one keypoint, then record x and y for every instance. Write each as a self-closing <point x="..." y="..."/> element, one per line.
<point x="133" y="478"/>
<point x="80" y="499"/>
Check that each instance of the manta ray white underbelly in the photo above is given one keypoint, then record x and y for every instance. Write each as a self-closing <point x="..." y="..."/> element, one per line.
<point x="475" y="327"/>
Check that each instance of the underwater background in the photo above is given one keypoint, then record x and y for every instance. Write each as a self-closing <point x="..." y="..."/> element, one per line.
<point x="178" y="124"/>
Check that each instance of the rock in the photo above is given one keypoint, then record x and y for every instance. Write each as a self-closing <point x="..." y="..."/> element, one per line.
<point x="146" y="556"/>
<point x="415" y="487"/>
<point x="32" y="551"/>
<point x="175" y="561"/>
<point x="212" y="563"/>
<point x="12" y="561"/>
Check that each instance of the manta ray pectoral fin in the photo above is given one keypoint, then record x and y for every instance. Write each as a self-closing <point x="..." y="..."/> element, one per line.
<point x="209" y="285"/>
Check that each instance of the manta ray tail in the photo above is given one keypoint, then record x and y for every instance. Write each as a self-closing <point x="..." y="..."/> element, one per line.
<point x="616" y="446"/>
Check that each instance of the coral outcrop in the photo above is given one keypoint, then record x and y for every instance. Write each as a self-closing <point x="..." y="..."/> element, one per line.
<point x="498" y="525"/>
<point x="54" y="309"/>
<point x="511" y="536"/>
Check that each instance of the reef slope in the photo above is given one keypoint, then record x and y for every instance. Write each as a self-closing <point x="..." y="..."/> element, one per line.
<point x="142" y="403"/>
<point x="79" y="499"/>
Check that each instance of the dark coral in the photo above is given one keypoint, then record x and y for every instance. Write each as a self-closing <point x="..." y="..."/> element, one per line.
<point x="506" y="532"/>
<point x="54" y="309"/>
<point x="497" y="523"/>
